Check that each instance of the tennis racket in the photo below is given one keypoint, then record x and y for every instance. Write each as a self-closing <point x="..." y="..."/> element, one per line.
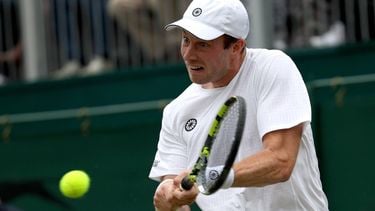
<point x="220" y="148"/>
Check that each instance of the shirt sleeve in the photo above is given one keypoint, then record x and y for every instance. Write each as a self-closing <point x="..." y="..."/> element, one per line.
<point x="170" y="158"/>
<point x="283" y="100"/>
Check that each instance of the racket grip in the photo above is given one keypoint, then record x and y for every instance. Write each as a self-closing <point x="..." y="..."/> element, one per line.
<point x="186" y="183"/>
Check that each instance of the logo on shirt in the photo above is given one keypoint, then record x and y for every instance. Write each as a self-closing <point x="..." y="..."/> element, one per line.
<point x="190" y="124"/>
<point x="156" y="163"/>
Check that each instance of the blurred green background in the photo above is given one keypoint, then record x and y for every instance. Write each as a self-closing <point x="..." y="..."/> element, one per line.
<point x="108" y="125"/>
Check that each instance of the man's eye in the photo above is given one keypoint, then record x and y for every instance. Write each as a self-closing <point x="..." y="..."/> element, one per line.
<point x="203" y="44"/>
<point x="185" y="40"/>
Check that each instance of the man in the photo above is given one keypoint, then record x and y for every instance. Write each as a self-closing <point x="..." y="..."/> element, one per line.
<point x="276" y="167"/>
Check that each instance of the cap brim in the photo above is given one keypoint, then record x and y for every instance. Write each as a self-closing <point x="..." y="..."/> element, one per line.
<point x="198" y="29"/>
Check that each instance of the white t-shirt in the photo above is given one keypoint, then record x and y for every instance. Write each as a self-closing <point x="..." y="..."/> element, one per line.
<point x="276" y="98"/>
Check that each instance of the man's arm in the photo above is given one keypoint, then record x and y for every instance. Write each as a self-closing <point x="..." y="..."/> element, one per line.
<point x="274" y="163"/>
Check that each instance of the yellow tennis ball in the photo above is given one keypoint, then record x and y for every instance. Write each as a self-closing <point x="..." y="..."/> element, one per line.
<point x="74" y="184"/>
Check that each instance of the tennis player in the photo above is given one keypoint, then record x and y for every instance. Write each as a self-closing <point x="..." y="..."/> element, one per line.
<point x="276" y="167"/>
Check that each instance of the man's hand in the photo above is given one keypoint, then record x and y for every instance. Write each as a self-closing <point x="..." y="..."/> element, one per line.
<point x="163" y="196"/>
<point x="169" y="197"/>
<point x="184" y="197"/>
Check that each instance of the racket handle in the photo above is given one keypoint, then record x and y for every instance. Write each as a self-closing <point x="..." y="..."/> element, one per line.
<point x="186" y="183"/>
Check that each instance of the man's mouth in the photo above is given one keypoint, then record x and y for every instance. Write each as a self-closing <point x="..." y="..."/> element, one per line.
<point x="196" y="68"/>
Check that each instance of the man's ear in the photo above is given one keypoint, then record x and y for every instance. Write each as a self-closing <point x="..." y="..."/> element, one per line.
<point x="238" y="46"/>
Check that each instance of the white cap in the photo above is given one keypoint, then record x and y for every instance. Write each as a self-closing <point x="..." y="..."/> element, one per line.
<point x="209" y="19"/>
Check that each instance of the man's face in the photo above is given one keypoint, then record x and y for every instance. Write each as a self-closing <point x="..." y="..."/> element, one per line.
<point x="207" y="62"/>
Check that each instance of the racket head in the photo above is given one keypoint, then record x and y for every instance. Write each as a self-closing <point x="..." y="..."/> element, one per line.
<point x="220" y="148"/>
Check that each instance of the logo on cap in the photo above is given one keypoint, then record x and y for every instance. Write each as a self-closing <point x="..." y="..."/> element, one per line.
<point x="197" y="12"/>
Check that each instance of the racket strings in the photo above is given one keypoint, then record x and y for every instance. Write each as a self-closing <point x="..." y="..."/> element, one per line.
<point x="221" y="148"/>
<point x="225" y="137"/>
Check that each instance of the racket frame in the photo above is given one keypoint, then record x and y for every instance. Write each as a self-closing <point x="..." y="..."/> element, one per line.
<point x="201" y="163"/>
